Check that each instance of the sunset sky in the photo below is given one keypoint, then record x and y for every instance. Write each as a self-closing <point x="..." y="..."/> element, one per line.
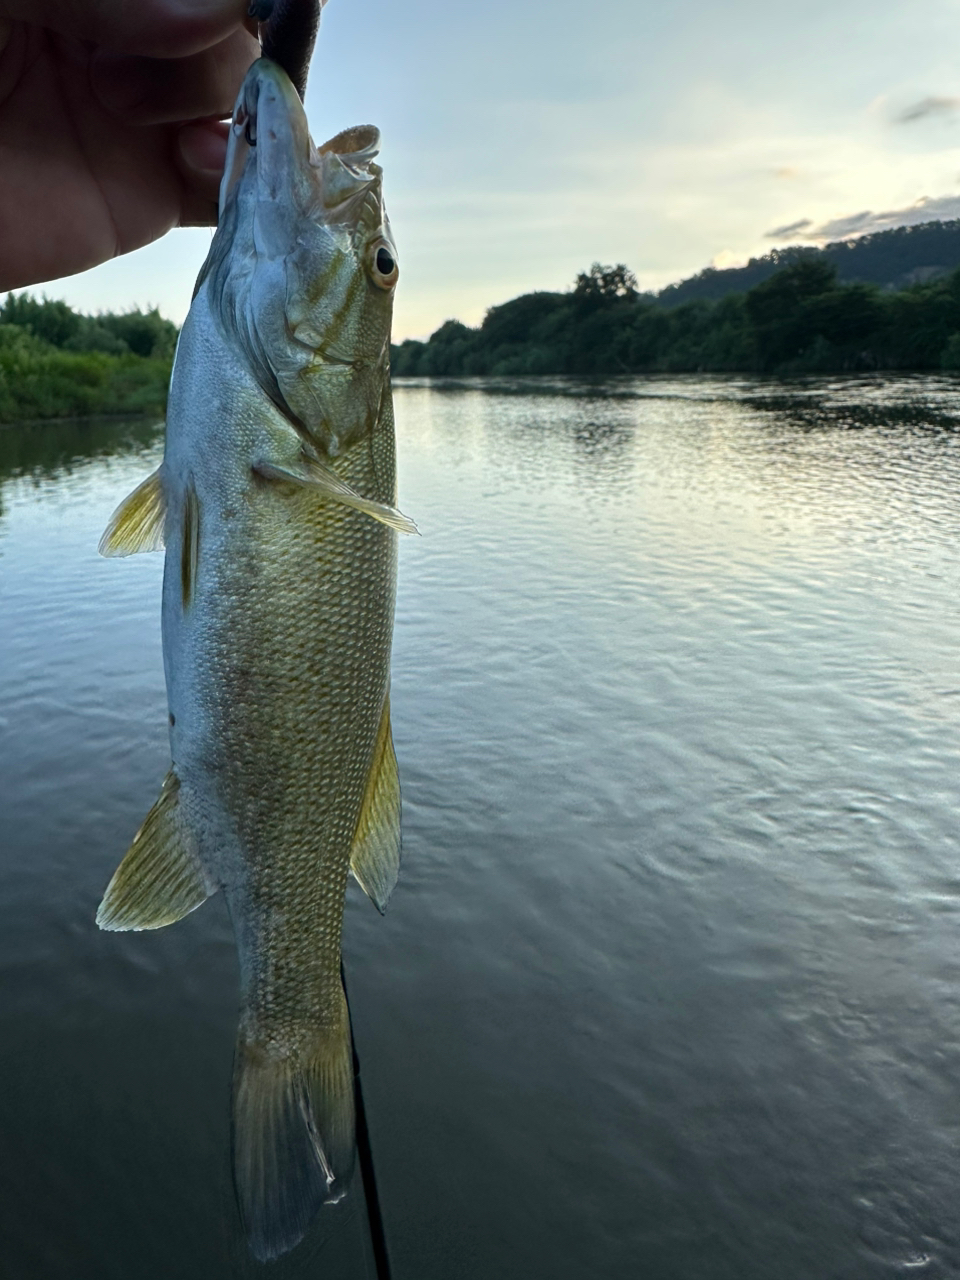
<point x="522" y="140"/>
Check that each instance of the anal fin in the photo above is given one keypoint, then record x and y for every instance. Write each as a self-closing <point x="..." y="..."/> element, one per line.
<point x="137" y="524"/>
<point x="375" y="854"/>
<point x="160" y="880"/>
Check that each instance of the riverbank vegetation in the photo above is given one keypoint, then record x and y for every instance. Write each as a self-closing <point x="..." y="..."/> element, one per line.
<point x="798" y="320"/>
<point x="58" y="363"/>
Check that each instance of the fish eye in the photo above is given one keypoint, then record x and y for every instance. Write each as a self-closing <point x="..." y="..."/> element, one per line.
<point x="383" y="266"/>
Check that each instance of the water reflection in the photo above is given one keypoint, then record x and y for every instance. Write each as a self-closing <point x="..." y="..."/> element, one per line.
<point x="670" y="982"/>
<point x="46" y="449"/>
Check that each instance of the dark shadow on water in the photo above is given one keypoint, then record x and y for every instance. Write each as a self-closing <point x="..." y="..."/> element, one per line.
<point x="701" y="387"/>
<point x="851" y="403"/>
<point x="50" y="448"/>
<point x="819" y="415"/>
<point x="601" y="440"/>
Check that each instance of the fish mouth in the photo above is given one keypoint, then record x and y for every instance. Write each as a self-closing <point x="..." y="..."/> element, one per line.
<point x="270" y="146"/>
<point x="270" y="126"/>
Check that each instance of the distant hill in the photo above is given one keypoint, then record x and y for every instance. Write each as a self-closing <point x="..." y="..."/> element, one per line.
<point x="892" y="259"/>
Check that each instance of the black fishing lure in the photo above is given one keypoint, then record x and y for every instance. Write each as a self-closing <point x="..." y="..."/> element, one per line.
<point x="288" y="32"/>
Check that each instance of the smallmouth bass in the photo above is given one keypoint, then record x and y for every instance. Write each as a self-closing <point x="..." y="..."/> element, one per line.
<point x="276" y="504"/>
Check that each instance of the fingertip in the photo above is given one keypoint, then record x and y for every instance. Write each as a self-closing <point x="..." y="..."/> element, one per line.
<point x="203" y="147"/>
<point x="201" y="152"/>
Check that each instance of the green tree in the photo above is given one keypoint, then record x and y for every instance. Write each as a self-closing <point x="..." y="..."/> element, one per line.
<point x="50" y="320"/>
<point x="601" y="284"/>
<point x="145" y="333"/>
<point x="783" y="325"/>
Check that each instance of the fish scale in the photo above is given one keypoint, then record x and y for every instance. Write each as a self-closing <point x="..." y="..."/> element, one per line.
<point x="330" y="666"/>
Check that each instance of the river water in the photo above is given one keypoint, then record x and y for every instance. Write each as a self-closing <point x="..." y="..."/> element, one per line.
<point x="669" y="986"/>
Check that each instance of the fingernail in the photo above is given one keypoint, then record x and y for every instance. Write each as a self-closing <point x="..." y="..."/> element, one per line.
<point x="203" y="146"/>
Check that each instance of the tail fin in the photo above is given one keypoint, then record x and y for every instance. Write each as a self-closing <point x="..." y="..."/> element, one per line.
<point x="293" y="1138"/>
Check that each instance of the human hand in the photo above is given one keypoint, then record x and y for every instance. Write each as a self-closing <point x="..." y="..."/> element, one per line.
<point x="108" y="125"/>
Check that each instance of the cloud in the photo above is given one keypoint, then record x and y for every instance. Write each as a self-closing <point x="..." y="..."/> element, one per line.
<point x="933" y="106"/>
<point x="791" y="229"/>
<point x="940" y="209"/>
<point x="857" y="224"/>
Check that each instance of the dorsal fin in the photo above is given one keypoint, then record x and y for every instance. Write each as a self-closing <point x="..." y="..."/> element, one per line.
<point x="160" y="880"/>
<point x="375" y="855"/>
<point x="137" y="524"/>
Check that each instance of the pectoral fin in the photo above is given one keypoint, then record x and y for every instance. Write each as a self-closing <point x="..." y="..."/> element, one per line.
<point x="160" y="880"/>
<point x="323" y="479"/>
<point x="375" y="855"/>
<point x="137" y="524"/>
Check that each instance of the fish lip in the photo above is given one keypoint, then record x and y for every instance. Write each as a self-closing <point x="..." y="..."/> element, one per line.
<point x="329" y="184"/>
<point x="264" y="75"/>
<point x="270" y="123"/>
<point x="359" y="139"/>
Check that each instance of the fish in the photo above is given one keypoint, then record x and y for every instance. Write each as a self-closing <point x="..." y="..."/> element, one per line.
<point x="276" y="505"/>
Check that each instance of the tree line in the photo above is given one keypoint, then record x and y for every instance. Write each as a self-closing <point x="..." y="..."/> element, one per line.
<point x="56" y="362"/>
<point x="798" y="320"/>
